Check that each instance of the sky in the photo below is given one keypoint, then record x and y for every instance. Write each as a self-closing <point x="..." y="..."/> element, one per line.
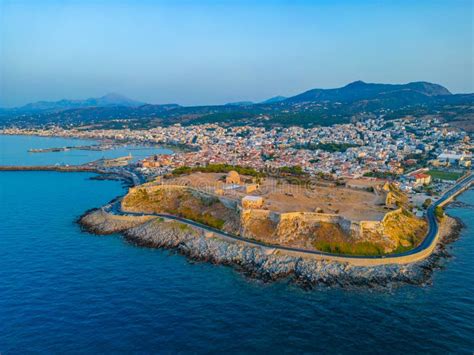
<point x="215" y="52"/>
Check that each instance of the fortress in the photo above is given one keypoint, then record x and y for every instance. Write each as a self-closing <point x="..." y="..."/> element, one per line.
<point x="252" y="216"/>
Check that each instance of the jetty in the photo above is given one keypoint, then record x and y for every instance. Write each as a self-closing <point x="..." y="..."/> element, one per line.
<point x="115" y="166"/>
<point x="96" y="147"/>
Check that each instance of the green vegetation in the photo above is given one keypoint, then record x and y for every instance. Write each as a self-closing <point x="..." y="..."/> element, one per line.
<point x="328" y="147"/>
<point x="197" y="215"/>
<point x="362" y="248"/>
<point x="292" y="180"/>
<point x="439" y="213"/>
<point x="444" y="175"/>
<point x="291" y="170"/>
<point x="217" y="168"/>
<point x="427" y="203"/>
<point x="309" y="118"/>
<point x="224" y="117"/>
<point x="380" y="174"/>
<point x="204" y="218"/>
<point x="294" y="175"/>
<point x="401" y="249"/>
<point x="183" y="227"/>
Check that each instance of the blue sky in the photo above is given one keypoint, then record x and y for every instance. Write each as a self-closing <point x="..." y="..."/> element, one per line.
<point x="212" y="52"/>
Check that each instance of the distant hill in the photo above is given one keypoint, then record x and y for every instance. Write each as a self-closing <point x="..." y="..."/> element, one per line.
<point x="360" y="90"/>
<point x="240" y="103"/>
<point x="355" y="101"/>
<point x="109" y="100"/>
<point x="274" y="99"/>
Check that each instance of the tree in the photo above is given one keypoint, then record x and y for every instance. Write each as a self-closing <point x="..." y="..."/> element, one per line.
<point x="427" y="203"/>
<point x="439" y="212"/>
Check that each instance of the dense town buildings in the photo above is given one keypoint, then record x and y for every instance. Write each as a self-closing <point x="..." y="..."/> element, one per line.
<point x="374" y="147"/>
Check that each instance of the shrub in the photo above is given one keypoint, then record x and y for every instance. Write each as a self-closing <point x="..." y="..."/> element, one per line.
<point x="183" y="227"/>
<point x="218" y="168"/>
<point x="362" y="248"/>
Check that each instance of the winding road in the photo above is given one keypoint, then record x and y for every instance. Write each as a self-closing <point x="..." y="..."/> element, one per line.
<point x="428" y="242"/>
<point x="448" y="195"/>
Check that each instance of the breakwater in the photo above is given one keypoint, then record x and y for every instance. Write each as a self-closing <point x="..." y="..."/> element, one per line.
<point x="96" y="147"/>
<point x="124" y="174"/>
<point x="60" y="168"/>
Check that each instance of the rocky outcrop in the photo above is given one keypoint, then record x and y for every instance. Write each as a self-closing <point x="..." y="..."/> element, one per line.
<point x="260" y="262"/>
<point x="100" y="222"/>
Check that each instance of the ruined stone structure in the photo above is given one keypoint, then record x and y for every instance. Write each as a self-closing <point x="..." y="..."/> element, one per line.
<point x="252" y="202"/>
<point x="248" y="188"/>
<point x="233" y="177"/>
<point x="283" y="228"/>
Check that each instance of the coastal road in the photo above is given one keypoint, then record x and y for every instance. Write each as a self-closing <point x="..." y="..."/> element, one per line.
<point x="421" y="251"/>
<point x="427" y="242"/>
<point x="459" y="187"/>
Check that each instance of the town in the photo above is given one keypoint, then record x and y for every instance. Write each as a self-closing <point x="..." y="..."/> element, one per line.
<point x="412" y="151"/>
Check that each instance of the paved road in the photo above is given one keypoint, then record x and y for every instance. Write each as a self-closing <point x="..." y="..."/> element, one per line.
<point x="430" y="214"/>
<point x="429" y="239"/>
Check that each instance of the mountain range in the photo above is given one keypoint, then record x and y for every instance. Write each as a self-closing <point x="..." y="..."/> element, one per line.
<point x="109" y="100"/>
<point x="360" y="90"/>
<point x="357" y="100"/>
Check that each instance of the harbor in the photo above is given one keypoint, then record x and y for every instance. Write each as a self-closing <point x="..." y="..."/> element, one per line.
<point x="94" y="147"/>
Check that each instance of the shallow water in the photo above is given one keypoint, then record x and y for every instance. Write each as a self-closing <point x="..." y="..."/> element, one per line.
<point x="65" y="290"/>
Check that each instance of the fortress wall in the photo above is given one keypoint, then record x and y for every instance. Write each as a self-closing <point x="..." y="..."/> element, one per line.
<point x="261" y="213"/>
<point x="256" y="213"/>
<point x="391" y="213"/>
<point x="258" y="223"/>
<point x="315" y="217"/>
<point x="363" y="227"/>
<point x="253" y="217"/>
<point x="291" y="218"/>
<point x="356" y="229"/>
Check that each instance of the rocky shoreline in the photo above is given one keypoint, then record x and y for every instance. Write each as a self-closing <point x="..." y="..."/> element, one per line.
<point x="256" y="262"/>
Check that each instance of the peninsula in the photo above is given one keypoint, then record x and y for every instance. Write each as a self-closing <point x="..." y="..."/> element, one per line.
<point x="359" y="198"/>
<point x="209" y="216"/>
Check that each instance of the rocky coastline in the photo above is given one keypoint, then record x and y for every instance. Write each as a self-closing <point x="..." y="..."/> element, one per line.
<point x="255" y="262"/>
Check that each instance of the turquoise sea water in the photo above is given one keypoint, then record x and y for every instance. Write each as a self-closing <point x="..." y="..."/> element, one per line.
<point x="14" y="151"/>
<point x="63" y="290"/>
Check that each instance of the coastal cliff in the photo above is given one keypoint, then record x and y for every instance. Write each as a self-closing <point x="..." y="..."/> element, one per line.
<point x="259" y="262"/>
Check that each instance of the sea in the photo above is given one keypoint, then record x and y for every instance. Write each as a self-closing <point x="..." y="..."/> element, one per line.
<point x="65" y="290"/>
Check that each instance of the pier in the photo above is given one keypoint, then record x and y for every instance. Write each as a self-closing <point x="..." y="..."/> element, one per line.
<point x="96" y="147"/>
<point x="115" y="166"/>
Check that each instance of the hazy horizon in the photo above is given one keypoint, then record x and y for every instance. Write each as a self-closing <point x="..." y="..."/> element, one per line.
<point x="227" y="51"/>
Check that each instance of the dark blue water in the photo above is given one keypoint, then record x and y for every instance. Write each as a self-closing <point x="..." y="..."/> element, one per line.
<point x="62" y="290"/>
